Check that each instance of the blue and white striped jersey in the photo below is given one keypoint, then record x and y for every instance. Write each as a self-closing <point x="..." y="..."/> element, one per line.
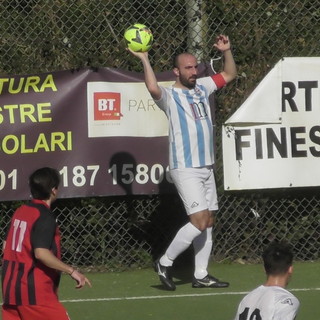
<point x="190" y="124"/>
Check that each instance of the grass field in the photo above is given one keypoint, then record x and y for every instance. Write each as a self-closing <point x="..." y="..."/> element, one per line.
<point x="138" y="295"/>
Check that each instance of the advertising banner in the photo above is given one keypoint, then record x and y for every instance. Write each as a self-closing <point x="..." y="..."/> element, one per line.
<point x="273" y="139"/>
<point x="99" y="128"/>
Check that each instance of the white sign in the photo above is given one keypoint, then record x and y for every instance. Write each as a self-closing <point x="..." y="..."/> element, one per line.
<point x="123" y="109"/>
<point x="273" y="139"/>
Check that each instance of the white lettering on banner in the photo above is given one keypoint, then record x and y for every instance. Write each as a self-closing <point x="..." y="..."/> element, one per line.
<point x="49" y="119"/>
<point x="106" y="104"/>
<point x="141" y="174"/>
<point x="84" y="176"/>
<point x="262" y="154"/>
<point x="5" y="178"/>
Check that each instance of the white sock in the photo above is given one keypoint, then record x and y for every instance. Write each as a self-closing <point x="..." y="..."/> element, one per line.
<point x="202" y="249"/>
<point x="180" y="243"/>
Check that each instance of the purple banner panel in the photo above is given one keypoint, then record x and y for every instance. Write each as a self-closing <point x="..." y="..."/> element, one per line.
<point x="98" y="127"/>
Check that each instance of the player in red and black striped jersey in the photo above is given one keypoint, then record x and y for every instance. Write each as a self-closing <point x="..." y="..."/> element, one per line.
<point x="31" y="256"/>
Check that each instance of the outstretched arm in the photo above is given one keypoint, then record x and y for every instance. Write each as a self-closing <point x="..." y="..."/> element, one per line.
<point x="51" y="261"/>
<point x="149" y="76"/>
<point x="230" y="70"/>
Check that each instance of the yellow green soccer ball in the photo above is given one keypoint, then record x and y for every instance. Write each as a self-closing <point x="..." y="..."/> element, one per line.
<point x="138" y="37"/>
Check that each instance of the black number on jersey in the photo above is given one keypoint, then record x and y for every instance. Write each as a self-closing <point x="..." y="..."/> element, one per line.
<point x="255" y="315"/>
<point x="199" y="110"/>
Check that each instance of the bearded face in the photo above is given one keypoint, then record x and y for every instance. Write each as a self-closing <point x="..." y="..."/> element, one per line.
<point x="186" y="70"/>
<point x="188" y="81"/>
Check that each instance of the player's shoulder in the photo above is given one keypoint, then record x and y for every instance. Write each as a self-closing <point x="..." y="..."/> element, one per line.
<point x="277" y="294"/>
<point x="212" y="83"/>
<point x="41" y="212"/>
<point x="281" y="291"/>
<point x="285" y="297"/>
<point x="26" y="210"/>
<point x="272" y="300"/>
<point x="255" y="294"/>
<point x="287" y="293"/>
<point x="260" y="288"/>
<point x="205" y="80"/>
<point x="286" y="304"/>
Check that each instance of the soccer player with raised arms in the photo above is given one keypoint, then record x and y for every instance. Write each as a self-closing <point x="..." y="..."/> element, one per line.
<point x="191" y="156"/>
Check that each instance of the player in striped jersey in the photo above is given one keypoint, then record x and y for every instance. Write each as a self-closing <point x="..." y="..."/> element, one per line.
<point x="272" y="301"/>
<point x="31" y="265"/>
<point x="191" y="156"/>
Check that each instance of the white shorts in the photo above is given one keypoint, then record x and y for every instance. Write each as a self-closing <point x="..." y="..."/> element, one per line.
<point x="197" y="188"/>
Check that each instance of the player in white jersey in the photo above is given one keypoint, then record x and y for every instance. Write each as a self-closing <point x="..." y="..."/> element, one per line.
<point x="190" y="127"/>
<point x="186" y="105"/>
<point x="272" y="301"/>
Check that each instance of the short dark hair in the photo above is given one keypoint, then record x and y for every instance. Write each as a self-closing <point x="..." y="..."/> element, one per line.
<point x="277" y="258"/>
<point x="42" y="181"/>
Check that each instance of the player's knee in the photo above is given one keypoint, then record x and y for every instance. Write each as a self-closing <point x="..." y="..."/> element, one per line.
<point x="202" y="227"/>
<point x="210" y="224"/>
<point x="212" y="219"/>
<point x="201" y="220"/>
<point x="200" y="224"/>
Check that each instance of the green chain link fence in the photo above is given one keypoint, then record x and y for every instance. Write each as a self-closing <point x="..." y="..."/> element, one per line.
<point x="113" y="233"/>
